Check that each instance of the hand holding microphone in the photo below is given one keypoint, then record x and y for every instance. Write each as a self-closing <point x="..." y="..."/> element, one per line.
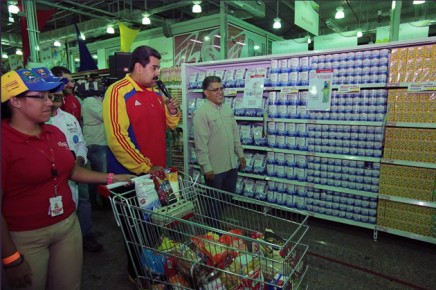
<point x="173" y="104"/>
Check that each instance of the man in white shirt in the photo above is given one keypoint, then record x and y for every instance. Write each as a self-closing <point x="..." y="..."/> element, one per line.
<point x="94" y="133"/>
<point x="69" y="125"/>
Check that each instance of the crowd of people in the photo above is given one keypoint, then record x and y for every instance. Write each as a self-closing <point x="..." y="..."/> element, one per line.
<point x="56" y="147"/>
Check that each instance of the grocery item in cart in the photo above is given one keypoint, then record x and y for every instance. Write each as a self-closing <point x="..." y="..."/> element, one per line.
<point x="164" y="189"/>
<point x="147" y="196"/>
<point x="210" y="246"/>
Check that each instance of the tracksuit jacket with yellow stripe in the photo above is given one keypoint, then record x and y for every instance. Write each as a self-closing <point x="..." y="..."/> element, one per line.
<point x="135" y="120"/>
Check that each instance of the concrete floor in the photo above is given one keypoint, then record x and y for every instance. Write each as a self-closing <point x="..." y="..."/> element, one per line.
<point x="339" y="257"/>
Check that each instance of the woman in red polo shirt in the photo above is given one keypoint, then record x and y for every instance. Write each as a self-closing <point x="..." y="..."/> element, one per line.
<point x="41" y="238"/>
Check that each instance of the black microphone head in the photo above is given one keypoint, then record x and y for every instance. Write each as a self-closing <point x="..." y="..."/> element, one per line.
<point x="163" y="89"/>
<point x="160" y="84"/>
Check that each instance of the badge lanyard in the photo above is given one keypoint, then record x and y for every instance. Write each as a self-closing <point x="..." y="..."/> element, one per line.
<point x="56" y="206"/>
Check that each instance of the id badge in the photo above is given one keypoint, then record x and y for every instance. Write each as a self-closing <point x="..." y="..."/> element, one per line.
<point x="56" y="206"/>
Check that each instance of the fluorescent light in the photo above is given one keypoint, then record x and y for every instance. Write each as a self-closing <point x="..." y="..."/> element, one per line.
<point x="418" y="2"/>
<point x="146" y="19"/>
<point x="277" y="23"/>
<point x="57" y="43"/>
<point x="206" y="38"/>
<point x="18" y="52"/>
<point x="13" y="8"/>
<point x="94" y="56"/>
<point x="339" y="13"/>
<point x="4" y="55"/>
<point x="76" y="59"/>
<point x="359" y="33"/>
<point x="309" y="40"/>
<point x="195" y="40"/>
<point x="196" y="8"/>
<point x="110" y="29"/>
<point x="256" y="47"/>
<point x="240" y="43"/>
<point x="394" y="3"/>
<point x="82" y="36"/>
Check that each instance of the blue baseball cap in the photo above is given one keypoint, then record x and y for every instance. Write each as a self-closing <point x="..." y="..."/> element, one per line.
<point x="16" y="82"/>
<point x="48" y="76"/>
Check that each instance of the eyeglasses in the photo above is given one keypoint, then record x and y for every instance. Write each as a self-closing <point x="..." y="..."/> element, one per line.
<point x="217" y="90"/>
<point x="43" y="97"/>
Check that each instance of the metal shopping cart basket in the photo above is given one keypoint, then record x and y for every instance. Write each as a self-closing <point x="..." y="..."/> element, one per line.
<point x="211" y="239"/>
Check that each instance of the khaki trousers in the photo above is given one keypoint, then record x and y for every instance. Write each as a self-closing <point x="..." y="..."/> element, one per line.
<point x="54" y="254"/>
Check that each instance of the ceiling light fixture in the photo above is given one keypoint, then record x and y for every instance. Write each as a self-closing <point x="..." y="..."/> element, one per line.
<point x="359" y="33"/>
<point x="82" y="36"/>
<point x="418" y="2"/>
<point x="5" y="55"/>
<point x="13" y="8"/>
<point x="110" y="29"/>
<point x="19" y="52"/>
<point x="339" y="13"/>
<point x="196" y="8"/>
<point x="256" y="47"/>
<point x="57" y="43"/>
<point x="277" y="21"/>
<point x="309" y="40"/>
<point x="146" y="19"/>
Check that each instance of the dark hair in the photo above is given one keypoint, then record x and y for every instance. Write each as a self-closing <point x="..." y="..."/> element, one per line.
<point x="142" y="55"/>
<point x="5" y="110"/>
<point x="208" y="80"/>
<point x="58" y="71"/>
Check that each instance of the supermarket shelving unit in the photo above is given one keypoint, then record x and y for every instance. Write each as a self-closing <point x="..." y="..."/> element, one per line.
<point x="264" y="62"/>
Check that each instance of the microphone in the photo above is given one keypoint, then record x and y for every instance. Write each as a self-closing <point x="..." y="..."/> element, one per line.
<point x="163" y="89"/>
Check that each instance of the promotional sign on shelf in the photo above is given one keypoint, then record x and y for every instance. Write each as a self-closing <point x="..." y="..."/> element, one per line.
<point x="253" y="91"/>
<point x="344" y="89"/>
<point x="320" y="90"/>
<point x="428" y="87"/>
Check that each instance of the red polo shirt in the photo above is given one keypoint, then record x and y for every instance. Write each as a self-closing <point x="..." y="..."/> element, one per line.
<point x="27" y="180"/>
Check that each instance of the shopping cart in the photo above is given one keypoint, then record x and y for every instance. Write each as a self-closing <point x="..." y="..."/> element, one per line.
<point x="211" y="239"/>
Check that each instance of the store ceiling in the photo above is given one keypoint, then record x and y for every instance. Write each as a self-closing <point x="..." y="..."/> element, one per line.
<point x="358" y="14"/>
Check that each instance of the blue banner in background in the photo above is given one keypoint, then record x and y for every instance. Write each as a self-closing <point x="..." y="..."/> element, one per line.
<point x="86" y="60"/>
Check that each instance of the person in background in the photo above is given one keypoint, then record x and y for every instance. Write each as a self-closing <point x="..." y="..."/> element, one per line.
<point x="135" y="119"/>
<point x="71" y="104"/>
<point x="93" y="132"/>
<point x="70" y="126"/>
<point x="217" y="142"/>
<point x="41" y="240"/>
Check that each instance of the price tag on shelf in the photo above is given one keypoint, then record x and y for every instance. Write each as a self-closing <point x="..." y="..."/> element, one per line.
<point x="312" y="121"/>
<point x="382" y="229"/>
<point x="393" y="85"/>
<point x="427" y="87"/>
<point x="289" y="90"/>
<point x="389" y="161"/>
<point x="392" y="124"/>
<point x="310" y="185"/>
<point x="230" y="92"/>
<point x="384" y="196"/>
<point x="343" y="89"/>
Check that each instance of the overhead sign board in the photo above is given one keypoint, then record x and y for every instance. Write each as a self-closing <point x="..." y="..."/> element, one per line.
<point x="307" y="16"/>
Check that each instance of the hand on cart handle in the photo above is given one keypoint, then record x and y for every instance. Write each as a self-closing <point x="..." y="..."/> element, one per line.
<point x="123" y="178"/>
<point x="209" y="175"/>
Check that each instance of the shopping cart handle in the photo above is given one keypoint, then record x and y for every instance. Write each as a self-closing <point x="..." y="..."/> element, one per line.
<point x="104" y="190"/>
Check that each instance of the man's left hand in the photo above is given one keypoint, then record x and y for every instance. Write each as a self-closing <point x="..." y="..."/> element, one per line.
<point x="242" y="163"/>
<point x="174" y="104"/>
